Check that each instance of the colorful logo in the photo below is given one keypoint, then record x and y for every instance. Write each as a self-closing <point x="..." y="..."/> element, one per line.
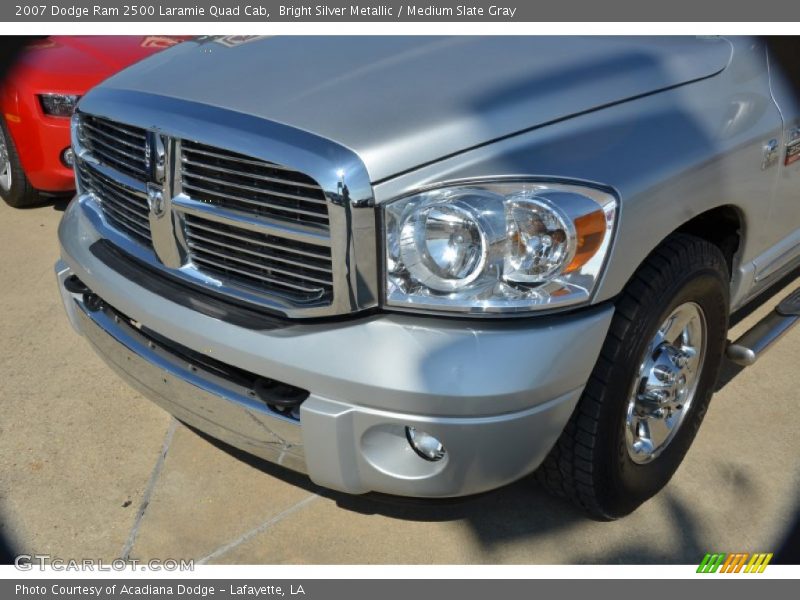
<point x="740" y="562"/>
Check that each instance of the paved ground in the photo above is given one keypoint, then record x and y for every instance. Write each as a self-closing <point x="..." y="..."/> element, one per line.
<point x="88" y="468"/>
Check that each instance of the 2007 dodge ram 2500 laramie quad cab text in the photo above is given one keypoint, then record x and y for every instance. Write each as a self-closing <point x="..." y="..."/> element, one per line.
<point x="431" y="266"/>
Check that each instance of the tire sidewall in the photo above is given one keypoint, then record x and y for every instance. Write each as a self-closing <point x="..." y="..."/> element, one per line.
<point x="8" y="194"/>
<point x="21" y="194"/>
<point x="632" y="483"/>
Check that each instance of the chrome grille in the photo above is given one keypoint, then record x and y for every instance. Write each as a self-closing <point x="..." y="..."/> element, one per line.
<point x="122" y="147"/>
<point x="124" y="208"/>
<point x="299" y="270"/>
<point x="231" y="180"/>
<point x="250" y="228"/>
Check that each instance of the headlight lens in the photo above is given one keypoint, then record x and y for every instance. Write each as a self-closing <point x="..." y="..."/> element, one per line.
<point x="443" y="246"/>
<point x="541" y="240"/>
<point x="496" y="247"/>
<point x="58" y="105"/>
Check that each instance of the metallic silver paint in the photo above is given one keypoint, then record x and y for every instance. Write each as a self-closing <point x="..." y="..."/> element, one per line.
<point x="675" y="127"/>
<point x="398" y="371"/>
<point x="669" y="156"/>
<point x="399" y="102"/>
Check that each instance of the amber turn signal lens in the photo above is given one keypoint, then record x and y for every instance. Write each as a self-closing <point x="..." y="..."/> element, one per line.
<point x="591" y="230"/>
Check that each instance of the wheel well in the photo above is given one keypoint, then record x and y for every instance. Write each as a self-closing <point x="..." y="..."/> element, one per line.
<point x="722" y="226"/>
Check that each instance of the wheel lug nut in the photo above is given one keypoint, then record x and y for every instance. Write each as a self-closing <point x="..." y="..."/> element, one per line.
<point x="655" y="397"/>
<point x="663" y="374"/>
<point x="680" y="358"/>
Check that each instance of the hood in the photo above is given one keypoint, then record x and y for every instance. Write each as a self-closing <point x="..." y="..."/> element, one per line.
<point x="400" y="102"/>
<point x="74" y="63"/>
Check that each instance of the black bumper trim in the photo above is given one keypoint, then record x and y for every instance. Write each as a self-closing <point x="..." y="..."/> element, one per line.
<point x="186" y="295"/>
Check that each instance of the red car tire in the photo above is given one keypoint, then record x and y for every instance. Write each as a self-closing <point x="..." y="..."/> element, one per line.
<point x="15" y="188"/>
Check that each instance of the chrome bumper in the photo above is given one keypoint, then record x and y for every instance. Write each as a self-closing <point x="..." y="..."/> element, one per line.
<point x="193" y="395"/>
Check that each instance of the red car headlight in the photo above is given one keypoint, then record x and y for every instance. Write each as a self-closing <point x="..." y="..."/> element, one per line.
<point x="58" y="105"/>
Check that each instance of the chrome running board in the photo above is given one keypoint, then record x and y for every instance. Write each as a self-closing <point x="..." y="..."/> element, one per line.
<point x="758" y="339"/>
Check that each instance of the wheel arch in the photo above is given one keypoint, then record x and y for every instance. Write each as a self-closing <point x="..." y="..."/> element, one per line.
<point x="723" y="225"/>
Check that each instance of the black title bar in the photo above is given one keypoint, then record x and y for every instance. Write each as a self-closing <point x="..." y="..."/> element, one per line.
<point x="259" y="11"/>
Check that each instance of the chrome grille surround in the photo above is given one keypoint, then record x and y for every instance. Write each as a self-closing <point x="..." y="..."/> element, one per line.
<point x="296" y="237"/>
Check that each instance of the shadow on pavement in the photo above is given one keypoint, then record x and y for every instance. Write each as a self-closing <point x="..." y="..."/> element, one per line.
<point x="57" y="202"/>
<point x="60" y="203"/>
<point x="6" y="553"/>
<point x="521" y="511"/>
<point x="686" y="527"/>
<point x="789" y="552"/>
<point x="517" y="500"/>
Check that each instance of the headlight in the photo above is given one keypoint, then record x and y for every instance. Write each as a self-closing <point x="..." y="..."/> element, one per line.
<point x="443" y="246"/>
<point x="496" y="247"/>
<point x="58" y="105"/>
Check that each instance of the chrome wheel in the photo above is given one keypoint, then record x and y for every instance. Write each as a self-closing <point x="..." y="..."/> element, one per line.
<point x="5" y="163"/>
<point x="666" y="383"/>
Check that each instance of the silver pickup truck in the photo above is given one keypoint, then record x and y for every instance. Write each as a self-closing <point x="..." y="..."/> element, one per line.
<point x="432" y="266"/>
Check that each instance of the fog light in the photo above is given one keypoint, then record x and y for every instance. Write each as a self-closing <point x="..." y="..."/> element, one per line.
<point x="424" y="444"/>
<point x="68" y="157"/>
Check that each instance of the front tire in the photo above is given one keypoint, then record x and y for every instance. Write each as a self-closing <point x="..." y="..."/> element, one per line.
<point x="652" y="383"/>
<point x="15" y="188"/>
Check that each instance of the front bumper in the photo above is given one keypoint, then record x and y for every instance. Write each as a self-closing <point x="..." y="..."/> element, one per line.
<point x="496" y="394"/>
<point x="40" y="140"/>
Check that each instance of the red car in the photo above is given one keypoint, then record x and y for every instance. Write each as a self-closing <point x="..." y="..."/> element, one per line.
<point x="38" y="97"/>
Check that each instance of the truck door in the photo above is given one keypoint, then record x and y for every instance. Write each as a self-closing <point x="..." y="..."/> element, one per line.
<point x="785" y="214"/>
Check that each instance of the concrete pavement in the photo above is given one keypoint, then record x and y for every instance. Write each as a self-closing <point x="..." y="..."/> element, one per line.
<point x="89" y="468"/>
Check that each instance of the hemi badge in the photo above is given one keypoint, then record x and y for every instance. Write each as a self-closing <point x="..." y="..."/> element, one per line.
<point x="793" y="147"/>
<point x="792" y="152"/>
